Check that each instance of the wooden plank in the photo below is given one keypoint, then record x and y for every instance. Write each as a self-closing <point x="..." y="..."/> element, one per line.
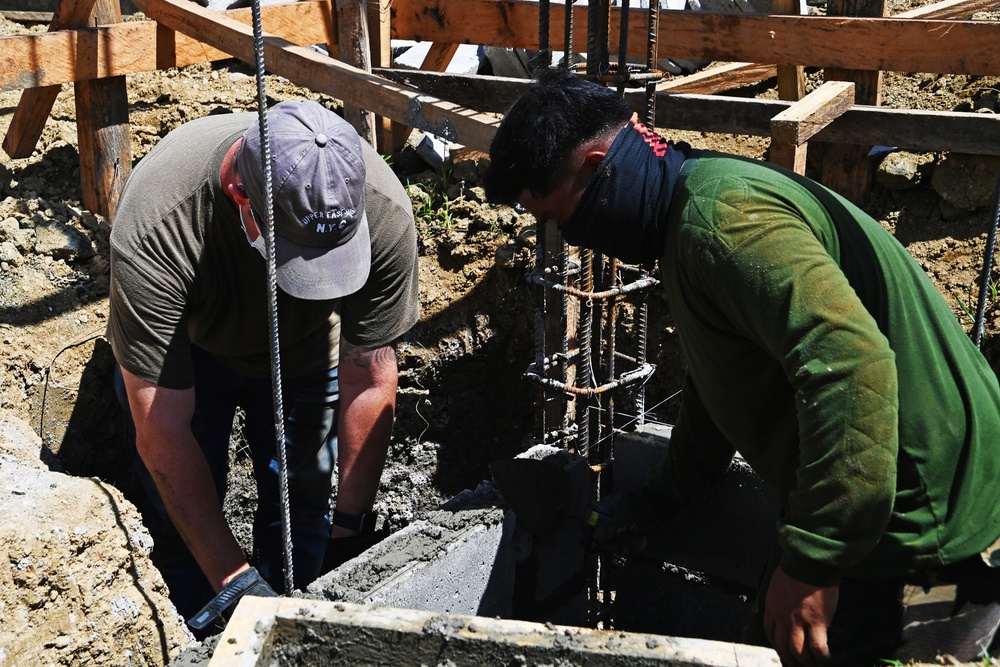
<point x="437" y="60"/>
<point x="352" y="22"/>
<point x="799" y="122"/>
<point x="102" y="124"/>
<point x="948" y="9"/>
<point x="789" y="156"/>
<point x="890" y="44"/>
<point x="719" y="79"/>
<point x="26" y="16"/>
<point x="34" y="105"/>
<point x="791" y="78"/>
<point x="844" y="168"/>
<point x="490" y="94"/>
<point x="304" y="66"/>
<point x="915" y="130"/>
<point x="68" y="56"/>
<point x="379" y="29"/>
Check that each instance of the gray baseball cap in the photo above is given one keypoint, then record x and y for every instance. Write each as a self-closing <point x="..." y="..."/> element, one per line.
<point x="322" y="244"/>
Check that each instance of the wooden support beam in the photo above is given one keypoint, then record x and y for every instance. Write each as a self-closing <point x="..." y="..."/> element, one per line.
<point x="379" y="32"/>
<point x="793" y="127"/>
<point x="888" y="44"/>
<point x="437" y="60"/>
<point x="103" y="133"/>
<point x="915" y="130"/>
<point x="789" y="156"/>
<point x="26" y="16"/>
<point x="67" y="56"/>
<point x="306" y="67"/>
<point x="718" y="79"/>
<point x="35" y="104"/>
<point x="355" y="50"/>
<point x="948" y="9"/>
<point x="490" y="94"/>
<point x="842" y="168"/>
<point x="799" y="122"/>
<point x="791" y="78"/>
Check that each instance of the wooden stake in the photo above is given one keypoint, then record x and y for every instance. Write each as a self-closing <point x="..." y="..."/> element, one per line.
<point x="352" y="24"/>
<point x="845" y="168"/>
<point x="102" y="126"/>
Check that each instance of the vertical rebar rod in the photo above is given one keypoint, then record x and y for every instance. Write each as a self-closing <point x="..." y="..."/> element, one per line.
<point x="984" y="280"/>
<point x="569" y="57"/>
<point x="585" y="368"/>
<point x="623" y="47"/>
<point x="564" y="340"/>
<point x="540" y="325"/>
<point x="544" y="57"/>
<point x="651" y="58"/>
<point x="272" y="298"/>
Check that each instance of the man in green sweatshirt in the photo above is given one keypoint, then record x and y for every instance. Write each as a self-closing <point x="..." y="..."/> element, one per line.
<point x="815" y="346"/>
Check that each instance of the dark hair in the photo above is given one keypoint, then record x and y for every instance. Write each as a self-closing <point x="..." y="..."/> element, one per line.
<point x="557" y="112"/>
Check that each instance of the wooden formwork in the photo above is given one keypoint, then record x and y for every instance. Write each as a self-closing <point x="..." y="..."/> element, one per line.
<point x="89" y="46"/>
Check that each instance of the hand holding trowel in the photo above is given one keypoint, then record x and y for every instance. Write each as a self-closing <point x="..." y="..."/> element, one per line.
<point x="547" y="497"/>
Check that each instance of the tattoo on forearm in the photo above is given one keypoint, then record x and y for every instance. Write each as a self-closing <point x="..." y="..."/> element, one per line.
<point x="365" y="357"/>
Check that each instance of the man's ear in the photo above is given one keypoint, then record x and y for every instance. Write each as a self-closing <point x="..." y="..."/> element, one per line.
<point x="594" y="158"/>
<point x="238" y="193"/>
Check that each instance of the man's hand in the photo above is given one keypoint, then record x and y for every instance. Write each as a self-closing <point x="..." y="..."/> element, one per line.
<point x="619" y="525"/>
<point x="220" y="608"/>
<point x="796" y="616"/>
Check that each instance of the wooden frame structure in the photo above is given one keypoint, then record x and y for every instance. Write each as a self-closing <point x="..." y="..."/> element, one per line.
<point x="90" y="47"/>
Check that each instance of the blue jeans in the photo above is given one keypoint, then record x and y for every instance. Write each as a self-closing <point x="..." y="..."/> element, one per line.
<point x="310" y="419"/>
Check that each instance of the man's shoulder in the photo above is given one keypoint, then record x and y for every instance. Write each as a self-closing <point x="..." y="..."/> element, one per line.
<point x="174" y="174"/>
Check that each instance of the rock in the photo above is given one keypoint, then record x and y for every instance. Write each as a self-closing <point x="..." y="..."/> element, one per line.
<point x="900" y="170"/>
<point x="9" y="254"/>
<point x="966" y="182"/>
<point x="60" y="241"/>
<point x="76" y="583"/>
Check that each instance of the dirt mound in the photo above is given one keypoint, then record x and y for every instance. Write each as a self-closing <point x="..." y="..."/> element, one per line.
<point x="78" y="586"/>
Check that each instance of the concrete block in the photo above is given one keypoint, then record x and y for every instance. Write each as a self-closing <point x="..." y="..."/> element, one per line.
<point x="282" y="631"/>
<point x="457" y="560"/>
<point x="728" y="535"/>
<point x="550" y="581"/>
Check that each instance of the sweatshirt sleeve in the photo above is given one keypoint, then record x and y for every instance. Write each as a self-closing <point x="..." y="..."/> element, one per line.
<point x="780" y="285"/>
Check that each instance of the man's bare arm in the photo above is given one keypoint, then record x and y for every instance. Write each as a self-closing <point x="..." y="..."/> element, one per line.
<point x="171" y="454"/>
<point x="368" y="379"/>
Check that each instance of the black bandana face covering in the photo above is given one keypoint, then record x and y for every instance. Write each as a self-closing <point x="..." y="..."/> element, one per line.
<point x="623" y="210"/>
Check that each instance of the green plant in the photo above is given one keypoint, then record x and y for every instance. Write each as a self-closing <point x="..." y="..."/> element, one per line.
<point x="967" y="305"/>
<point x="431" y="205"/>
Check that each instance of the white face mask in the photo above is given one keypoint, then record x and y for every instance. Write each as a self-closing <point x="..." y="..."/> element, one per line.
<point x="249" y="221"/>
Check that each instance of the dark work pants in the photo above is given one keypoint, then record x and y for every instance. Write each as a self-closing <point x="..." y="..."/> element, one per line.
<point x="310" y="421"/>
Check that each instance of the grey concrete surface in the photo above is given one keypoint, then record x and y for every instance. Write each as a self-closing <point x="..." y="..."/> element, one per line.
<point x="457" y="560"/>
<point x="276" y="631"/>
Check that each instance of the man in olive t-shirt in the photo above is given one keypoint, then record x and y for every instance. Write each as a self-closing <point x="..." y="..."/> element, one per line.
<point x="190" y="323"/>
